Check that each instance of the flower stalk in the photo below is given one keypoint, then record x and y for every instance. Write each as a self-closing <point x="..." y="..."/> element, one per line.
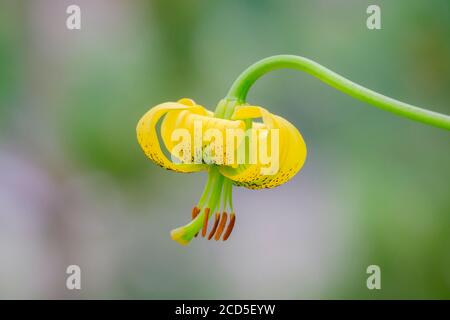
<point x="239" y="90"/>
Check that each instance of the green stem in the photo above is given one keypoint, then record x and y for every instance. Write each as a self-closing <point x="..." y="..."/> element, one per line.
<point x="207" y="190"/>
<point x="230" y="198"/>
<point x="216" y="194"/>
<point x="241" y="86"/>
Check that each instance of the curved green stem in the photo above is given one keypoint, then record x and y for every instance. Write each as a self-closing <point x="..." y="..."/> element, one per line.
<point x="241" y="86"/>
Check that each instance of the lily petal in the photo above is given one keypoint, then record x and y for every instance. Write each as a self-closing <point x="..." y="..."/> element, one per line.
<point x="186" y="119"/>
<point x="292" y="151"/>
<point x="148" y="138"/>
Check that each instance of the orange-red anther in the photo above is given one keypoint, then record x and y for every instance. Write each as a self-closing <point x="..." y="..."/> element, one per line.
<point x="223" y="222"/>
<point x="205" y="222"/>
<point x="216" y="223"/>
<point x="230" y="226"/>
<point x="195" y="212"/>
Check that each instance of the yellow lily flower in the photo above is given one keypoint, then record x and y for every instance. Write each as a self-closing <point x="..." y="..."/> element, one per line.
<point x="289" y="152"/>
<point x="234" y="158"/>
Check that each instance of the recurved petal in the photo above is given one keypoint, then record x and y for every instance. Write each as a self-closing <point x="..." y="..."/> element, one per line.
<point x="148" y="138"/>
<point x="205" y="132"/>
<point x="291" y="151"/>
<point x="180" y="119"/>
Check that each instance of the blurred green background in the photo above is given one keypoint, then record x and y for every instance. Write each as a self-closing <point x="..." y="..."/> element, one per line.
<point x="76" y="189"/>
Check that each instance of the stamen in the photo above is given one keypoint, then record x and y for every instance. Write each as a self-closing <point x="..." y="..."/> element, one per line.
<point x="230" y="226"/>
<point x="219" y="231"/>
<point x="216" y="223"/>
<point x="205" y="222"/>
<point x="195" y="212"/>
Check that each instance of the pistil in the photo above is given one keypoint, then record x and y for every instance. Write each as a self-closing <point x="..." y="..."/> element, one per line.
<point x="216" y="196"/>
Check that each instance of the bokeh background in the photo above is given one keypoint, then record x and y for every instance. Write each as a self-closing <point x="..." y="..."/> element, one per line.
<point x="76" y="189"/>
